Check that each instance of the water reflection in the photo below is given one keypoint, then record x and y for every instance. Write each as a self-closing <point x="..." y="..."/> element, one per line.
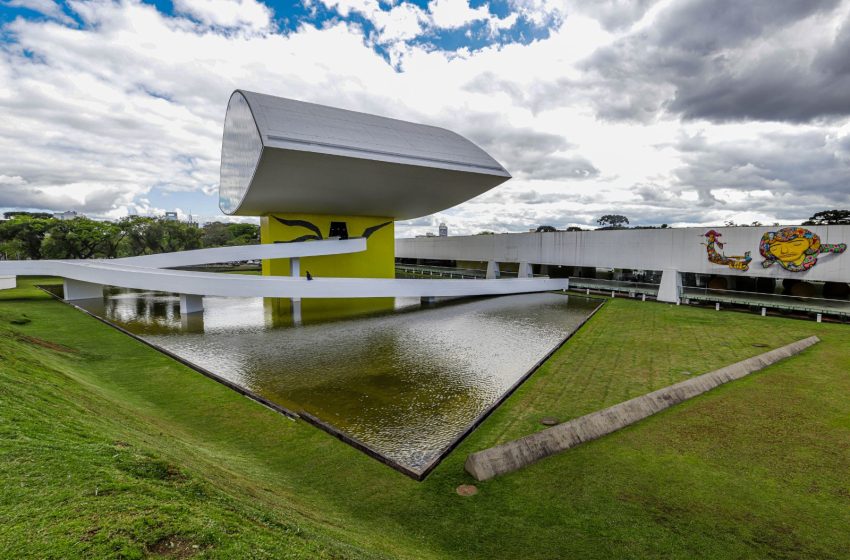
<point x="405" y="380"/>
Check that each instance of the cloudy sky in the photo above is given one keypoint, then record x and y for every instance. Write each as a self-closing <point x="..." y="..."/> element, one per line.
<point x="679" y="112"/>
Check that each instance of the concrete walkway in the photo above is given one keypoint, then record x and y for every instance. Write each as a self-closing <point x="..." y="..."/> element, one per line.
<point x="85" y="278"/>
<point x="520" y="453"/>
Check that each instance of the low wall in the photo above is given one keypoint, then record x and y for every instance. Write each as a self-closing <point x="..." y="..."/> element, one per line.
<point x="681" y="249"/>
<point x="8" y="282"/>
<point x="520" y="453"/>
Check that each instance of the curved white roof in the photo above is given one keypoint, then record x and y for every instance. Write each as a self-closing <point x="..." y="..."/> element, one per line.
<point x="285" y="156"/>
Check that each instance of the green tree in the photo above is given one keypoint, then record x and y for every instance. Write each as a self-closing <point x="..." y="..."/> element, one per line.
<point x="179" y="236"/>
<point x="16" y="213"/>
<point x="613" y="221"/>
<point x="12" y="249"/>
<point x="215" y="234"/>
<point x="141" y="236"/>
<point x="80" y="238"/>
<point x="243" y="234"/>
<point x="27" y="232"/>
<point x="547" y="229"/>
<point x="115" y="233"/>
<point x="218" y="234"/>
<point x="829" y="217"/>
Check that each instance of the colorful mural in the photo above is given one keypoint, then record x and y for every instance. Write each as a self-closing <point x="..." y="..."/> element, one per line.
<point x="735" y="262"/>
<point x="795" y="248"/>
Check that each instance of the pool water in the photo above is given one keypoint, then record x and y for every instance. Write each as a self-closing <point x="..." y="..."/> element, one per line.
<point x="404" y="379"/>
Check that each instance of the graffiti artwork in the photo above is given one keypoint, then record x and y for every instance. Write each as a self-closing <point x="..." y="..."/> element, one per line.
<point x="795" y="248"/>
<point x="735" y="262"/>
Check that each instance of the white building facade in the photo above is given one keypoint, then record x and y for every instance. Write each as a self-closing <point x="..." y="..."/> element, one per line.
<point x="767" y="251"/>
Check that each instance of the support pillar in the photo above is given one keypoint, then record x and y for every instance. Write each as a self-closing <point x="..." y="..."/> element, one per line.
<point x="296" y="311"/>
<point x="671" y="286"/>
<point x="524" y="271"/>
<point x="76" y="289"/>
<point x="295" y="272"/>
<point x="493" y="270"/>
<point x="192" y="322"/>
<point x="190" y="303"/>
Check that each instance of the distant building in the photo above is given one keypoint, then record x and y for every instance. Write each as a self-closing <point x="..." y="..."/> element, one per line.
<point x="69" y="215"/>
<point x="171" y="216"/>
<point x="444" y="230"/>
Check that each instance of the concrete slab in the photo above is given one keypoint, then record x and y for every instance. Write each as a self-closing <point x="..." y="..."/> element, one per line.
<point x="520" y="453"/>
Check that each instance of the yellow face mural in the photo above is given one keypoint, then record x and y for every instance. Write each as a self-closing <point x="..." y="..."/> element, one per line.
<point x="378" y="261"/>
<point x="790" y="251"/>
<point x="795" y="248"/>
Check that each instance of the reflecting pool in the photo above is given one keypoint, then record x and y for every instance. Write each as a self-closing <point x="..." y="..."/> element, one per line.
<point x="402" y="378"/>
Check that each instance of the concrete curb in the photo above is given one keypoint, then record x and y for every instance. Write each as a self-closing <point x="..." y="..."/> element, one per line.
<point x="520" y="453"/>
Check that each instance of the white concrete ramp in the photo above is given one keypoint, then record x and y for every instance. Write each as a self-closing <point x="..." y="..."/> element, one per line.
<point x="85" y="278"/>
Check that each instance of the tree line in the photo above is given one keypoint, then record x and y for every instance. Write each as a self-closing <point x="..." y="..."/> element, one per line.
<point x="617" y="221"/>
<point x="26" y="235"/>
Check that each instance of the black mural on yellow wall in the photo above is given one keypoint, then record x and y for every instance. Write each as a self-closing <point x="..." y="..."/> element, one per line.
<point x="370" y="230"/>
<point x="317" y="233"/>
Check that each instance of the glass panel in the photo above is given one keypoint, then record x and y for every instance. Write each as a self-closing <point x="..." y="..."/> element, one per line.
<point x="240" y="152"/>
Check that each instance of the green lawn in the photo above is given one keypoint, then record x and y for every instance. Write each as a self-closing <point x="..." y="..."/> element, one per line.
<point x="110" y="449"/>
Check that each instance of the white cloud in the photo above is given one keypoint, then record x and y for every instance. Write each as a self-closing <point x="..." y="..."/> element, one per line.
<point x="539" y="12"/>
<point x="345" y="7"/>
<point x="449" y="14"/>
<point x="107" y="118"/>
<point x="404" y="21"/>
<point x="8" y="181"/>
<point x="244" y="14"/>
<point x="48" y="8"/>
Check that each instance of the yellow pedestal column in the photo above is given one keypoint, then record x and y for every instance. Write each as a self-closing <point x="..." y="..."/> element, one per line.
<point x="377" y="261"/>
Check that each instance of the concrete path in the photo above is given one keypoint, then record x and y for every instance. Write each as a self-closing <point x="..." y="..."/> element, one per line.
<point x="520" y="453"/>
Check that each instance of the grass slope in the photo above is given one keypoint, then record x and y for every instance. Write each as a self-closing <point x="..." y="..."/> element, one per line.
<point x="110" y="449"/>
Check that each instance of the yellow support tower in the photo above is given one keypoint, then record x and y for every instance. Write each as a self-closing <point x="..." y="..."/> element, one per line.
<point x="378" y="261"/>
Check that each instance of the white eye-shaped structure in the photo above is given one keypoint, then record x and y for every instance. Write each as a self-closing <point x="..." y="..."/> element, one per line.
<point x="284" y="156"/>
